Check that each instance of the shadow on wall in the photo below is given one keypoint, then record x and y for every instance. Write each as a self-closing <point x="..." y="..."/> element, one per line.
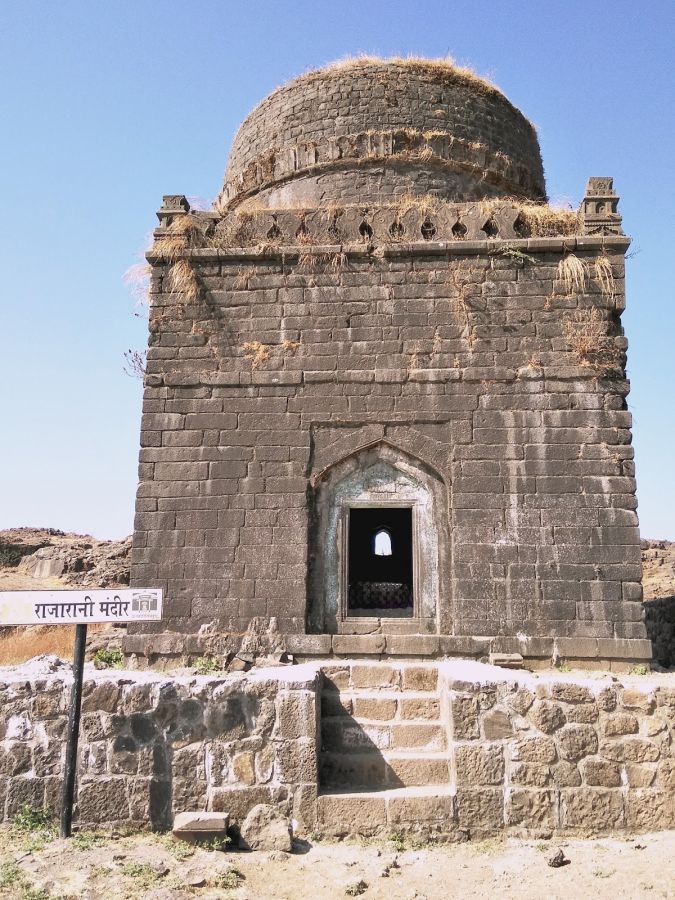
<point x="660" y="622"/>
<point x="350" y="757"/>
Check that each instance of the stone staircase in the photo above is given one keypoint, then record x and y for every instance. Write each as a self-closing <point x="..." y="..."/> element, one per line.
<point x="384" y="741"/>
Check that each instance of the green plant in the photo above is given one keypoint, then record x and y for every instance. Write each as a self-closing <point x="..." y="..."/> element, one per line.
<point x="205" y="665"/>
<point x="180" y="849"/>
<point x="36" y="825"/>
<point x="30" y="819"/>
<point x="85" y="840"/>
<point x="639" y="670"/>
<point x="229" y="880"/>
<point x="112" y="658"/>
<point x="10" y="874"/>
<point x="215" y="843"/>
<point x="141" y="872"/>
<point x="562" y="666"/>
<point x="397" y="840"/>
<point x="515" y="254"/>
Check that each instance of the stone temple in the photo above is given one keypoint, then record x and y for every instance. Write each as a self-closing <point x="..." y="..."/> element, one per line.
<point x="385" y="401"/>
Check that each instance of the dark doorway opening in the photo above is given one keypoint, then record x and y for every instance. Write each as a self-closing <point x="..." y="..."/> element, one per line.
<point x="380" y="561"/>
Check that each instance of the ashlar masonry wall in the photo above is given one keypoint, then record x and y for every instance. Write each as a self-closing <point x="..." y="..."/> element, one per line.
<point x="475" y="359"/>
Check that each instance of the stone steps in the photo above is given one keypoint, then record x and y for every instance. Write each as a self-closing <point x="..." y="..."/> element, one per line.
<point x="379" y="771"/>
<point x="382" y="728"/>
<point x="370" y="812"/>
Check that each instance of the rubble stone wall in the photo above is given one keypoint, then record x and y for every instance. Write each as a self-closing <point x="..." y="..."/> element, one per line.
<point x="152" y="747"/>
<point x="531" y="754"/>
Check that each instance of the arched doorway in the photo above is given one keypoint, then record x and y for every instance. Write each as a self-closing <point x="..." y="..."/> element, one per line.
<point x="377" y="537"/>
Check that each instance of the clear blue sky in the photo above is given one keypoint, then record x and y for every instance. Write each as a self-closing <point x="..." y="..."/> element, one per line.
<point x="107" y="106"/>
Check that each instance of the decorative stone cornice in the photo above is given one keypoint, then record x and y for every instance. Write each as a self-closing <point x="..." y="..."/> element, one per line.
<point x="408" y="146"/>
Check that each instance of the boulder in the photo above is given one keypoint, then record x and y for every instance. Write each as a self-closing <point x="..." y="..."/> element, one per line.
<point x="265" y="828"/>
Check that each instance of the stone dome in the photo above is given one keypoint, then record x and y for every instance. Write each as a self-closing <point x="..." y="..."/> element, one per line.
<point x="370" y="130"/>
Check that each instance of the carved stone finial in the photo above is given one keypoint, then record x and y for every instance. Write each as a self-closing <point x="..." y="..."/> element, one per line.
<point x="172" y="205"/>
<point x="599" y="208"/>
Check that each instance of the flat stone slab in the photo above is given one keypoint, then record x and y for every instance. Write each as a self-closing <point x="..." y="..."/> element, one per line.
<point x="200" y="823"/>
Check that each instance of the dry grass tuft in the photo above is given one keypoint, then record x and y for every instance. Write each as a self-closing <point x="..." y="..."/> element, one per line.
<point x="444" y="69"/>
<point x="586" y="332"/>
<point x="184" y="280"/>
<point x="289" y="347"/>
<point x="602" y="271"/>
<point x="544" y="220"/>
<point x="137" y="278"/>
<point x="571" y="274"/>
<point x="184" y="233"/>
<point x="256" y="352"/>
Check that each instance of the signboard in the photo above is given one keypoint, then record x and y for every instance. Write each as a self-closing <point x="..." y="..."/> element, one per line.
<point x="80" y="607"/>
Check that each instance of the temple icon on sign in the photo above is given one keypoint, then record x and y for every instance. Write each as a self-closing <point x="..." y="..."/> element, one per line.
<point x="143" y="602"/>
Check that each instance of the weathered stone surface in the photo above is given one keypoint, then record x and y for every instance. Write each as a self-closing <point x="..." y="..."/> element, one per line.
<point x="497" y="725"/>
<point x="535" y="750"/>
<point x="265" y="828"/>
<point x="650" y="809"/>
<point x="632" y="698"/>
<point x="479" y="765"/>
<point x="521" y="700"/>
<point x="592" y="809"/>
<point x="571" y="693"/>
<point x="577" y="741"/>
<point x="480" y="810"/>
<point x="599" y="773"/>
<point x="620" y="723"/>
<point x="531" y="774"/>
<point x="465" y="718"/>
<point x="548" y="717"/>
<point x="531" y="808"/>
<point x="200" y="822"/>
<point x="103" y="800"/>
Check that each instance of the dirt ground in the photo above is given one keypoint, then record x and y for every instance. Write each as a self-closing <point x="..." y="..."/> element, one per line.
<point x="36" y="866"/>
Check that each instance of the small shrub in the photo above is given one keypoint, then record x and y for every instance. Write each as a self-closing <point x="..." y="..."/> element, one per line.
<point x="397" y="841"/>
<point x="638" y="670"/>
<point x="228" y="881"/>
<point x="563" y="667"/>
<point x="30" y="819"/>
<point x="586" y="333"/>
<point x="357" y="888"/>
<point x="114" y="659"/>
<point x="143" y="873"/>
<point x="205" y="665"/>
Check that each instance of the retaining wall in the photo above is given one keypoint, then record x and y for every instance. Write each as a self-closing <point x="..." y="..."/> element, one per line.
<point x="527" y="753"/>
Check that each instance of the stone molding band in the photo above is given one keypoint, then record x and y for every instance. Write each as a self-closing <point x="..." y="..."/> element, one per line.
<point x="276" y="166"/>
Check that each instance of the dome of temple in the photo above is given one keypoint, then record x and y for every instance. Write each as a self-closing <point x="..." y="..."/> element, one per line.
<point x="369" y="130"/>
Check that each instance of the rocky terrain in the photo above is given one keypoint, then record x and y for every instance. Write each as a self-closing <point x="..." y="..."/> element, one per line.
<point x="36" y="555"/>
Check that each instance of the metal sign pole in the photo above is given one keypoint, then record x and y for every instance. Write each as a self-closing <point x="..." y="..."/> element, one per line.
<point x="70" y="768"/>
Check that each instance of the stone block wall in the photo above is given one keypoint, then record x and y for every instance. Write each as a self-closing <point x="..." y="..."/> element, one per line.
<point x="151" y="747"/>
<point x="468" y="356"/>
<point x="363" y="116"/>
<point x="531" y="755"/>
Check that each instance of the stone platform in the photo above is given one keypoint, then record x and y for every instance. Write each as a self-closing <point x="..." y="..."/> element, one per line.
<point x="448" y="749"/>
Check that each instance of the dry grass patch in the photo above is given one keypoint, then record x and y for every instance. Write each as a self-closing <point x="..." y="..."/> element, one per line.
<point x="444" y="69"/>
<point x="19" y="644"/>
<point x="586" y="333"/>
<point x="571" y="274"/>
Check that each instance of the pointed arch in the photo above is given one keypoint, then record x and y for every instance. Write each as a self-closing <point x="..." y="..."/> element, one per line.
<point x="379" y="474"/>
